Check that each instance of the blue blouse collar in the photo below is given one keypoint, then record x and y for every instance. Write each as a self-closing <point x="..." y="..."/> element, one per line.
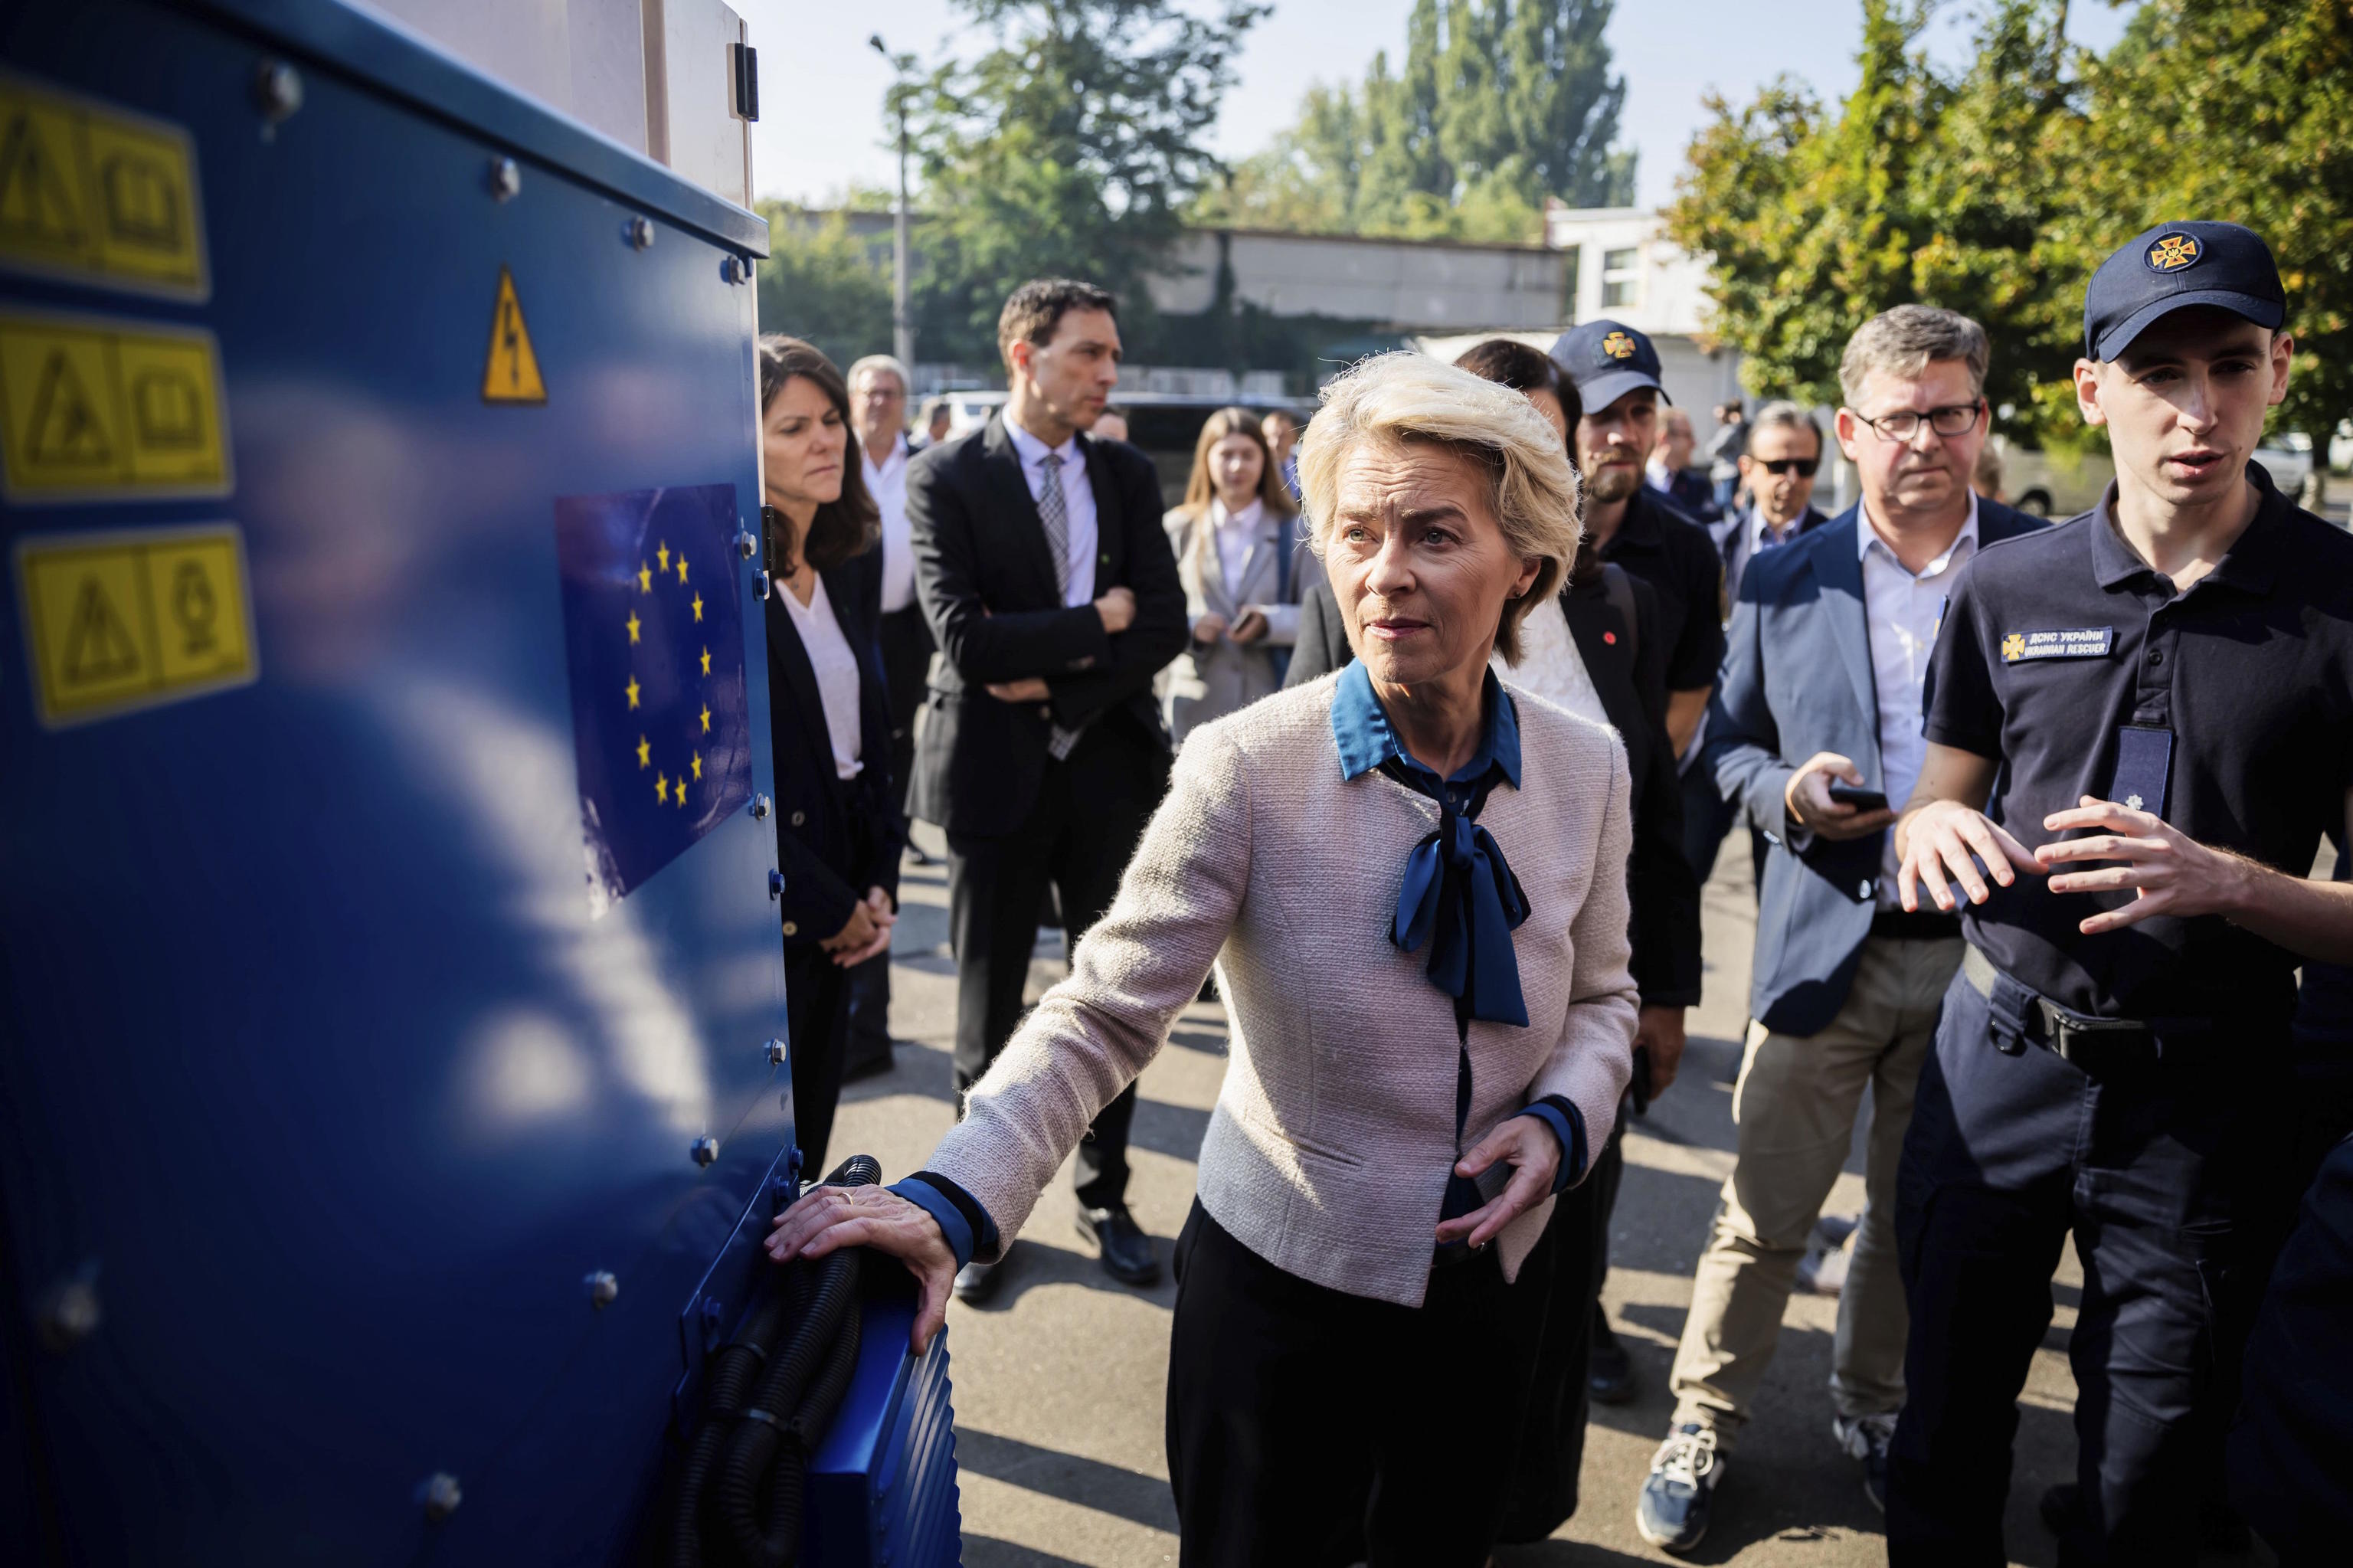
<point x="1360" y="728"/>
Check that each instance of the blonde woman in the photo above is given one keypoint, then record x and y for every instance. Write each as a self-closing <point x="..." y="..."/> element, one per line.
<point x="1237" y="543"/>
<point x="1411" y="880"/>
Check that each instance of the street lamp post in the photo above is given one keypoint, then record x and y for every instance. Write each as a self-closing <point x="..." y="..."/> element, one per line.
<point x="903" y="329"/>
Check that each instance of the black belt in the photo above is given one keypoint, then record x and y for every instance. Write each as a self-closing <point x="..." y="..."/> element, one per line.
<point x="2097" y="1045"/>
<point x="1916" y="926"/>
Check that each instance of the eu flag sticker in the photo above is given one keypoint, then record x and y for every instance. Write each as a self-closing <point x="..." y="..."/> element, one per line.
<point x="660" y="720"/>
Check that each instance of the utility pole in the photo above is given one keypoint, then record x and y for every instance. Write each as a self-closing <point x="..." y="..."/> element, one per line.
<point x="902" y="329"/>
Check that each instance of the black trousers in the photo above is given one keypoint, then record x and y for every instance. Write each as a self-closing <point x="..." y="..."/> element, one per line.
<point x="817" y="1020"/>
<point x="1308" y="1427"/>
<point x="1551" y="1454"/>
<point x="2011" y="1148"/>
<point x="1090" y="810"/>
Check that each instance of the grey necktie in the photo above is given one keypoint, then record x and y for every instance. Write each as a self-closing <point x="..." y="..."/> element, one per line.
<point x="1054" y="512"/>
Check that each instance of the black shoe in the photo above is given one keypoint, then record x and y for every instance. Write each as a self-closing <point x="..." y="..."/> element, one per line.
<point x="1126" y="1250"/>
<point x="1609" y="1370"/>
<point x="1866" y="1438"/>
<point x="2220" y="1529"/>
<point x="977" y="1282"/>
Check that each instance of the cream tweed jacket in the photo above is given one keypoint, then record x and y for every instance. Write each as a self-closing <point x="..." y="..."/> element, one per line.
<point x="1333" y="1134"/>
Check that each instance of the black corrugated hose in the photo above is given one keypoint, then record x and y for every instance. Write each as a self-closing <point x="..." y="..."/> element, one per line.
<point x="768" y="1404"/>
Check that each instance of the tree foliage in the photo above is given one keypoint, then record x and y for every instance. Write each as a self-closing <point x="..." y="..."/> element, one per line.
<point x="1498" y="105"/>
<point x="1069" y="145"/>
<point x="824" y="284"/>
<point x="1996" y="189"/>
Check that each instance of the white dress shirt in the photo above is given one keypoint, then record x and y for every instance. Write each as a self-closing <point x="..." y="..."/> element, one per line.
<point x="1901" y="611"/>
<point x="1550" y="664"/>
<point x="837" y="673"/>
<point x="1077" y="501"/>
<point x="889" y="485"/>
<point x="1236" y="531"/>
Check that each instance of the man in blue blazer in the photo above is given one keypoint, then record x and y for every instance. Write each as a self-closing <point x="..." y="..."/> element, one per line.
<point x="1821" y="691"/>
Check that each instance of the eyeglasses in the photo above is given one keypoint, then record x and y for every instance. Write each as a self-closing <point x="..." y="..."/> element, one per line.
<point x="1903" y="424"/>
<point x="1802" y="467"/>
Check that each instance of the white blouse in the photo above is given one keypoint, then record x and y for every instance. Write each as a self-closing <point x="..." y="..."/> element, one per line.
<point x="837" y="673"/>
<point x="1550" y="665"/>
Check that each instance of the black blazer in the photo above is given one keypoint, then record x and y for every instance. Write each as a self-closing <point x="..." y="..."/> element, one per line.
<point x="986" y="585"/>
<point x="1629" y="669"/>
<point x="834" y="838"/>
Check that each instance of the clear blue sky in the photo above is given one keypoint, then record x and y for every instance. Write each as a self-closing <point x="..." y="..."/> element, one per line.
<point x="821" y="86"/>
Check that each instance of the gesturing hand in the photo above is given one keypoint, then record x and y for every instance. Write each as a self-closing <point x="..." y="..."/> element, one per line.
<point x="830" y="1217"/>
<point x="1942" y="837"/>
<point x="1529" y="1147"/>
<point x="1807" y="798"/>
<point x="2171" y="873"/>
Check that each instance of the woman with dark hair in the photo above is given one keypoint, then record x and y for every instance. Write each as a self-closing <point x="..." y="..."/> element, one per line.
<point x="839" y="832"/>
<point x="1236" y="539"/>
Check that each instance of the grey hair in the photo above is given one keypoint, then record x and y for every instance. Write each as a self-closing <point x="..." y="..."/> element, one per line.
<point x="1782" y="414"/>
<point x="1906" y="341"/>
<point x="1532" y="488"/>
<point x="874" y="361"/>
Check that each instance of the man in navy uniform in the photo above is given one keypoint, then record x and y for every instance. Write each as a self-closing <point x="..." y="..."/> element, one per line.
<point x="2139" y="723"/>
<point x="1822" y="692"/>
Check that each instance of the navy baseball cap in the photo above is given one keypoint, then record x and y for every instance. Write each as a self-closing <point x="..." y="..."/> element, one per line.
<point x="1606" y="360"/>
<point x="2173" y="267"/>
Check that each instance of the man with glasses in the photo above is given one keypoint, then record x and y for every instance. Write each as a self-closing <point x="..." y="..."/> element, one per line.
<point x="1776" y="470"/>
<point x="1815" y="727"/>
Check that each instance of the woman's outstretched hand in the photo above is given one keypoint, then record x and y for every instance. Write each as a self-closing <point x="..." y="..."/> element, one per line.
<point x="1529" y="1147"/>
<point x="830" y="1217"/>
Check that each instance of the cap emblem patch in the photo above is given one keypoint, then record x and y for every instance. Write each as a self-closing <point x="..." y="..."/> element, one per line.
<point x="1618" y="345"/>
<point x="2172" y="252"/>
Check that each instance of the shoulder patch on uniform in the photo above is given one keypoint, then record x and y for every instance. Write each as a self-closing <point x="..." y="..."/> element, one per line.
<point x="2079" y="642"/>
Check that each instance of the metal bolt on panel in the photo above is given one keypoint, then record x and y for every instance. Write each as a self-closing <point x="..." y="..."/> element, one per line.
<point x="776" y="1053"/>
<point x="602" y="1288"/>
<point x="506" y="178"/>
<point x="747" y="544"/>
<point x="775" y="885"/>
<point x="705" y="1149"/>
<point x="759" y="807"/>
<point x="441" y="1495"/>
<point x="277" y="90"/>
<point x="641" y="232"/>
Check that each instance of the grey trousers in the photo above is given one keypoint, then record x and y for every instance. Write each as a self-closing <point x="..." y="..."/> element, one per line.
<point x="1795" y="1108"/>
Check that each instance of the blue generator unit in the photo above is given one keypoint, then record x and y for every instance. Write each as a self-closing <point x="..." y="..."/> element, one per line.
<point x="392" y="1087"/>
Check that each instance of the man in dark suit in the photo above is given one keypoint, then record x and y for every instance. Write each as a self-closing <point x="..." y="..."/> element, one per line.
<point x="1822" y="690"/>
<point x="1048" y="581"/>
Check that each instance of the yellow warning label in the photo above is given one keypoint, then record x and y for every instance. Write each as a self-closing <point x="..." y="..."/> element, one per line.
<point x="512" y="374"/>
<point x="121" y="620"/>
<point x="93" y="408"/>
<point x="90" y="191"/>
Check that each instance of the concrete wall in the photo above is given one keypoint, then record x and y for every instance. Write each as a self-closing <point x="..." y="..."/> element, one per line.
<point x="1425" y="285"/>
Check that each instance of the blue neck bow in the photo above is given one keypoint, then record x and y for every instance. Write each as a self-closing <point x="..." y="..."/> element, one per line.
<point x="1460" y="897"/>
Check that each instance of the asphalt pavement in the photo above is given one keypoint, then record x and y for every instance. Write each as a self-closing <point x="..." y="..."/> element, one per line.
<point x="1058" y="1381"/>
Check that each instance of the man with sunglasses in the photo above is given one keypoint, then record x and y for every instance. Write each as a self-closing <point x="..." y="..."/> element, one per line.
<point x="1821" y="698"/>
<point x="2138" y="723"/>
<point x="1776" y="470"/>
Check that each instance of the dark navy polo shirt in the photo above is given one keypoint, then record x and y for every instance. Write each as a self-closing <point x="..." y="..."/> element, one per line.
<point x="1679" y="558"/>
<point x="2054" y="642"/>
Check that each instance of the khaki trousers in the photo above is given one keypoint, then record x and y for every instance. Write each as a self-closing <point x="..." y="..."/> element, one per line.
<point x="1795" y="1108"/>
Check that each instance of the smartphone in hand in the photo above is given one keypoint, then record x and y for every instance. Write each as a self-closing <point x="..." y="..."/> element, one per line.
<point x="1857" y="796"/>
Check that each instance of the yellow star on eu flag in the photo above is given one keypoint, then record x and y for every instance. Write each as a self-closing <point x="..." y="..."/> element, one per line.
<point x="633" y="688"/>
<point x="645" y="753"/>
<point x="698" y="606"/>
<point x="697" y="760"/>
<point x="634" y="626"/>
<point x="706" y="718"/>
<point x="645" y="578"/>
<point x="706" y="660"/>
<point x="682" y="570"/>
<point x="661" y="788"/>
<point x="662" y="555"/>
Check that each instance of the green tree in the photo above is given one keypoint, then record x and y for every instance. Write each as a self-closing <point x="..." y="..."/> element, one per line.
<point x="1498" y="105"/>
<point x="2237" y="110"/>
<point x="825" y="283"/>
<point x="1070" y="145"/>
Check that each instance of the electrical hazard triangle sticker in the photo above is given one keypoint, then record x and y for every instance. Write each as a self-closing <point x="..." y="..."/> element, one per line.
<point x="512" y="373"/>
